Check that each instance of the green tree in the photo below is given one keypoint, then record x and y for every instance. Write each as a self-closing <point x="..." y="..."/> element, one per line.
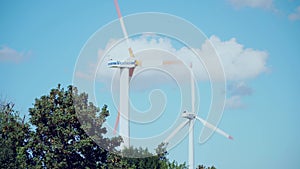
<point x="14" y="133"/>
<point x="60" y="140"/>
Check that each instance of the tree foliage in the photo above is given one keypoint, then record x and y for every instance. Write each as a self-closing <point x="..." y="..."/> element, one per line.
<point x="14" y="134"/>
<point x="67" y="131"/>
<point x="59" y="139"/>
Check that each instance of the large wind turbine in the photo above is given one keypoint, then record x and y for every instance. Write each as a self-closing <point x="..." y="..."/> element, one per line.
<point x="126" y="71"/>
<point x="191" y="117"/>
<point x="124" y="85"/>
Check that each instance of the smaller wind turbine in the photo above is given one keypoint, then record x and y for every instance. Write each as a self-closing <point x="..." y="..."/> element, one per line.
<point x="191" y="117"/>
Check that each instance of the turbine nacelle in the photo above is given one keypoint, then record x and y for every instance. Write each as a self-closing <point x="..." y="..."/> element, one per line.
<point x="130" y="63"/>
<point x="188" y="115"/>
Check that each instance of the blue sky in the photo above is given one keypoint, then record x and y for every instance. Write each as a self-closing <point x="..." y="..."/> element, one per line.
<point x="40" y="43"/>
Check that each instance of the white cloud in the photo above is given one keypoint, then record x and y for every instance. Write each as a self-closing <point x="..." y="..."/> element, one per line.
<point x="8" y="54"/>
<point x="266" y="4"/>
<point x="239" y="63"/>
<point x="296" y="15"/>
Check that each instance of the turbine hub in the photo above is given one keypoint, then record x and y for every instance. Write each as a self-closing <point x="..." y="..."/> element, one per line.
<point x="188" y="115"/>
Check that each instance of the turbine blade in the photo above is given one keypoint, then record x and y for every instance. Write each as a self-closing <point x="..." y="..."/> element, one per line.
<point x="192" y="90"/>
<point x="121" y="19"/>
<point x="131" y="70"/>
<point x="214" y="128"/>
<point x="157" y="62"/>
<point x="117" y="123"/>
<point x="149" y="62"/>
<point x="130" y="51"/>
<point x="123" y="27"/>
<point x="183" y="124"/>
<point x="171" y="62"/>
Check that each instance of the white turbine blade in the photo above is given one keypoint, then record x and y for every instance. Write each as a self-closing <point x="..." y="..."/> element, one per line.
<point x="123" y="27"/>
<point x="176" y="131"/>
<point x="171" y="62"/>
<point x="192" y="90"/>
<point x="150" y="62"/>
<point x="121" y="20"/>
<point x="214" y="128"/>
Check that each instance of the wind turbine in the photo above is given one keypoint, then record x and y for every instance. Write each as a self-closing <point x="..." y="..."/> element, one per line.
<point x="127" y="68"/>
<point x="191" y="117"/>
<point x="126" y="71"/>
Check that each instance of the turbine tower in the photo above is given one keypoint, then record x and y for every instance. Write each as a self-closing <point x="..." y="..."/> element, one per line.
<point x="191" y="117"/>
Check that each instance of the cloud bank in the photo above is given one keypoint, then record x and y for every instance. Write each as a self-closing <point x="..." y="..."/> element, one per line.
<point x="240" y="63"/>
